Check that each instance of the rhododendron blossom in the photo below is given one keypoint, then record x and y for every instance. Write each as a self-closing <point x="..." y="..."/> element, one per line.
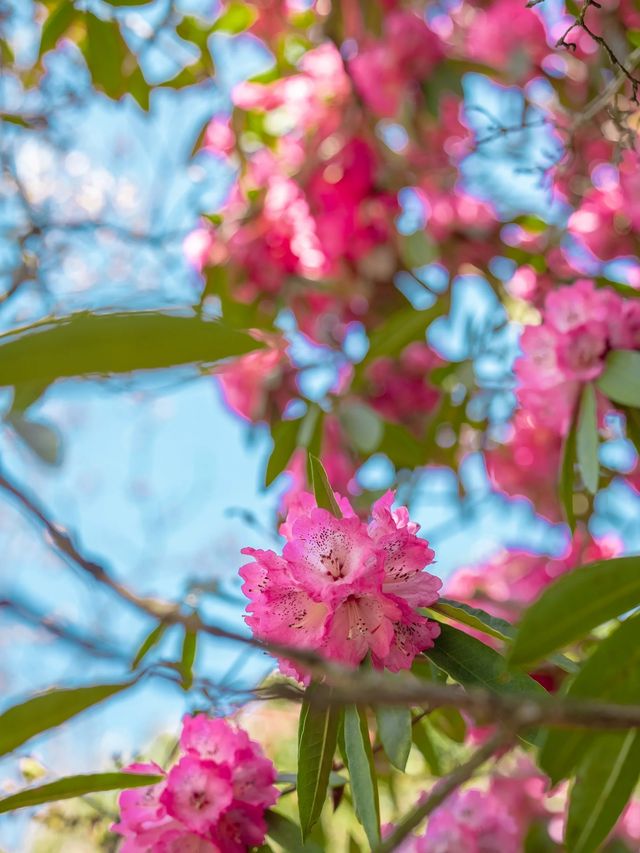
<point x="491" y="820"/>
<point x="211" y="801"/>
<point x="581" y="324"/>
<point x="343" y="587"/>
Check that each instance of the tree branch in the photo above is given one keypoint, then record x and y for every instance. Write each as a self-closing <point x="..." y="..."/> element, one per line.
<point x="443" y="789"/>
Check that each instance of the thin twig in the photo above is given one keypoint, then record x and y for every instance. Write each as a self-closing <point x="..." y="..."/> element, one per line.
<point x="580" y="23"/>
<point x="443" y="789"/>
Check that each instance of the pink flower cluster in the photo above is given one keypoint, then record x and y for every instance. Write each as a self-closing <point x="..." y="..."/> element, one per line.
<point x="344" y="588"/>
<point x="513" y="579"/>
<point x="493" y="820"/>
<point x="211" y="801"/>
<point x="581" y="324"/>
<point x="498" y="817"/>
<point x="384" y="70"/>
<point x="399" y="389"/>
<point x="608" y="218"/>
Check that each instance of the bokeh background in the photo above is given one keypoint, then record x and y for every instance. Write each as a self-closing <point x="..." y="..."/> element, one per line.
<point x="157" y="478"/>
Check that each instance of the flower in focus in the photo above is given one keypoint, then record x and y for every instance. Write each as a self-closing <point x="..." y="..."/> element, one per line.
<point x="343" y="587"/>
<point x="211" y="801"/>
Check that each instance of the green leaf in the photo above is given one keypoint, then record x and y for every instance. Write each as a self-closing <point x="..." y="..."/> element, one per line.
<point x="316" y="747"/>
<point x="286" y="833"/>
<point x="75" y="786"/>
<point x="197" y="31"/>
<point x="189" y="647"/>
<point x="25" y="396"/>
<point x="235" y="18"/>
<point x="47" y="710"/>
<point x="633" y="37"/>
<point x="450" y="723"/>
<point x="472" y="664"/>
<point x="474" y="617"/>
<point x="604" y="783"/>
<point x="587" y="439"/>
<point x="610" y="674"/>
<point x="321" y="487"/>
<point x="14" y="118"/>
<point x="41" y="439"/>
<point x="56" y="25"/>
<point x="150" y="641"/>
<point x="87" y="344"/>
<point x="424" y="743"/>
<point x="138" y="87"/>
<point x="285" y="442"/>
<point x="620" y="381"/>
<point x="288" y="436"/>
<point x="394" y="731"/>
<point x="574" y="604"/>
<point x="417" y="249"/>
<point x="400" y="329"/>
<point x="113" y="67"/>
<point x="362" y="425"/>
<point x="401" y="446"/>
<point x="105" y="52"/>
<point x="362" y="774"/>
<point x="566" y="481"/>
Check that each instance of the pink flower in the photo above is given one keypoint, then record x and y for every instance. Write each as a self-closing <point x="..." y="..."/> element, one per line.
<point x="608" y="218"/>
<point x="399" y="389"/>
<point x="505" y="36"/>
<point x="581" y="324"/>
<point x="344" y="588"/>
<point x="474" y="821"/>
<point x="211" y="801"/>
<point x="247" y="381"/>
<point x="513" y="579"/>
<point x="385" y="70"/>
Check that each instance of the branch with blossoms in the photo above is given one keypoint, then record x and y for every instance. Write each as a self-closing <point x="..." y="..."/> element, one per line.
<point x="580" y="23"/>
<point x="354" y="229"/>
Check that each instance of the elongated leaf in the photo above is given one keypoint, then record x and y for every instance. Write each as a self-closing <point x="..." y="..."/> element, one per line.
<point x="605" y="780"/>
<point x="189" y="647"/>
<point x="286" y="833"/>
<point x="566" y="480"/>
<point x="316" y="748"/>
<point x="75" y="786"/>
<point x="620" y="381"/>
<point x="86" y="344"/>
<point x="574" y="604"/>
<point x="285" y="441"/>
<point x="42" y="439"/>
<point x="587" y="439"/>
<point x="40" y="713"/>
<point x="56" y="25"/>
<point x="400" y="329"/>
<point x="362" y="425"/>
<point x="401" y="446"/>
<point x="150" y="641"/>
<point x="394" y="731"/>
<point x="611" y="674"/>
<point x="105" y="52"/>
<point x="321" y="487"/>
<point x="450" y="723"/>
<point x="362" y="774"/>
<point x="423" y="740"/>
<point x="474" y="617"/>
<point x="472" y="664"/>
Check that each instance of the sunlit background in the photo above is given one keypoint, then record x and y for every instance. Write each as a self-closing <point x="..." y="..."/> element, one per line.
<point x="156" y="478"/>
